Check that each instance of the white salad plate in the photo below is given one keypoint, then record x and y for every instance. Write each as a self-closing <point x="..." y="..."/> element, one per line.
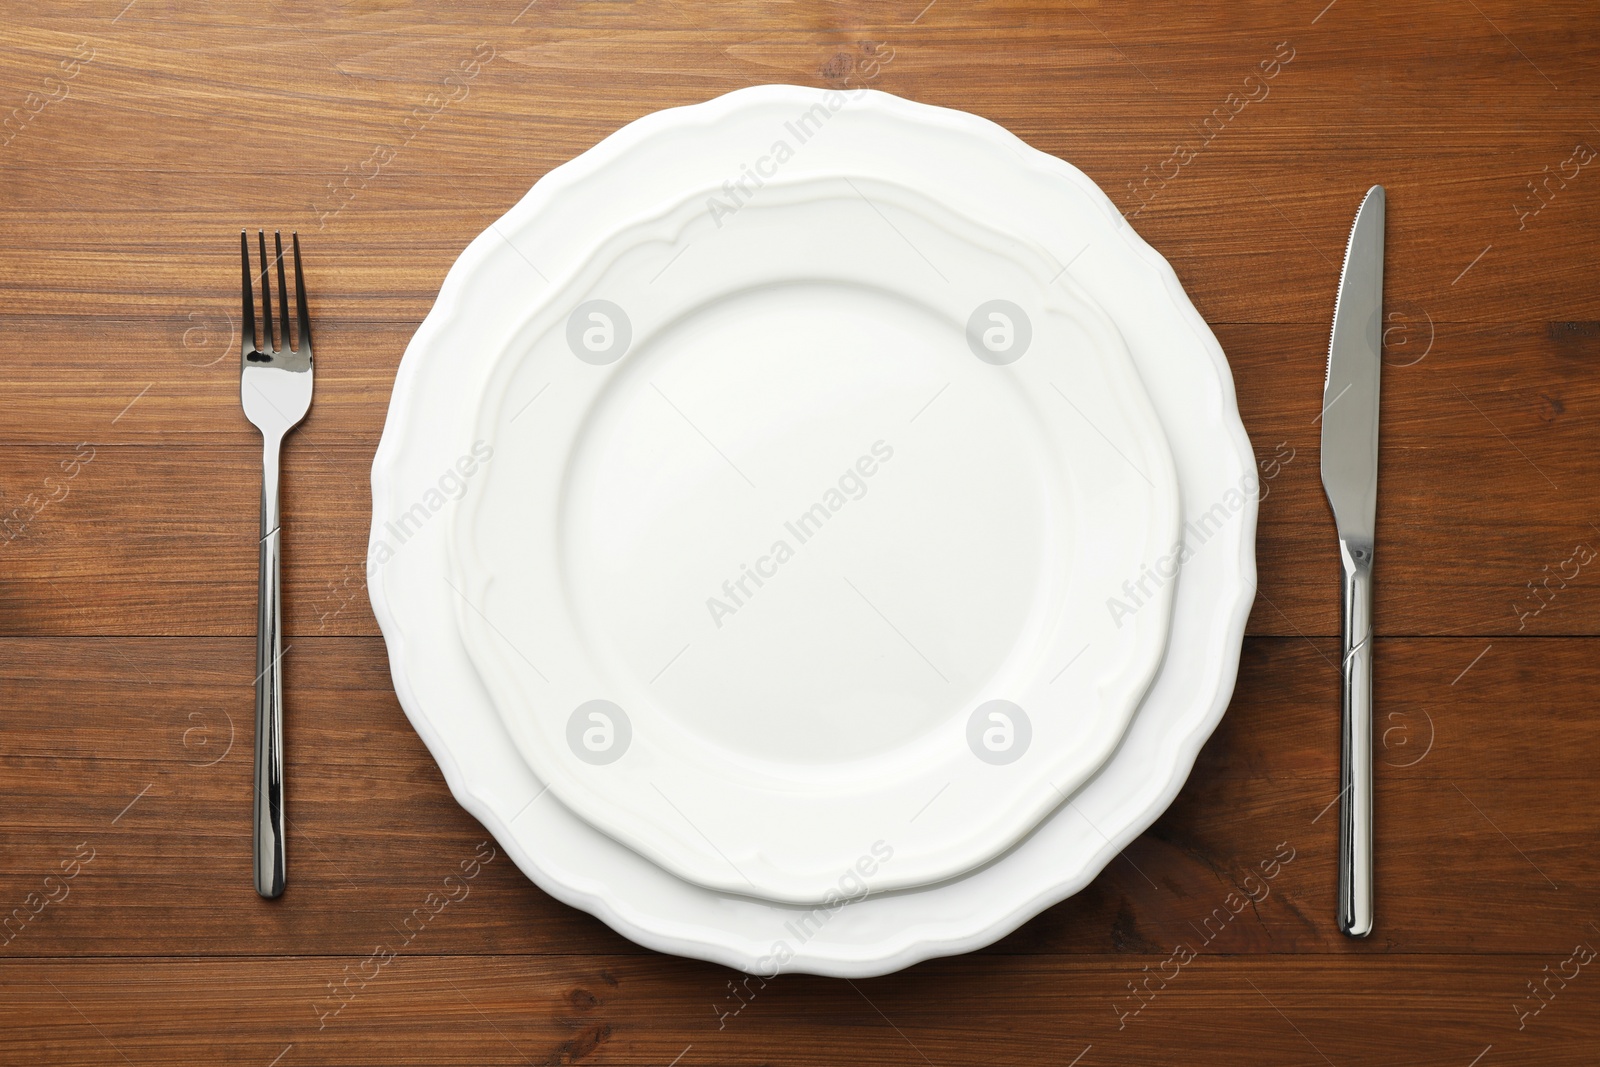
<point x="433" y="454"/>
<point x="779" y="555"/>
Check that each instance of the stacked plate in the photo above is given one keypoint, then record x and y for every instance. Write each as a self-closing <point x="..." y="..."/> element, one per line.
<point x="813" y="532"/>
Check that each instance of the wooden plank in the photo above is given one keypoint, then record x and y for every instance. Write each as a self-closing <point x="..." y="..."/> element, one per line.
<point x="1482" y="811"/>
<point x="1299" y="1012"/>
<point x="1232" y="207"/>
<point x="95" y="526"/>
<point x="1249" y="243"/>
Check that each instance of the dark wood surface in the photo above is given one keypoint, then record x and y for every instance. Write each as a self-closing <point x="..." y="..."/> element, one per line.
<point x="140" y="138"/>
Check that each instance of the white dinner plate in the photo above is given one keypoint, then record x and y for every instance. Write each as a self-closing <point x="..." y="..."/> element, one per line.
<point x="780" y="555"/>
<point x="429" y="456"/>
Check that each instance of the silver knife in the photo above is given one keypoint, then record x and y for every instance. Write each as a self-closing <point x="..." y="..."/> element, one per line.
<point x="1350" y="477"/>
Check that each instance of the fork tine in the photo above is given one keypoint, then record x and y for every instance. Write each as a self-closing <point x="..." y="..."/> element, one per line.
<point x="248" y="332"/>
<point x="266" y="293"/>
<point x="283" y="295"/>
<point x="302" y="316"/>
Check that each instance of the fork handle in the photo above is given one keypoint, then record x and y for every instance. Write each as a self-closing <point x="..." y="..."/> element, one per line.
<point x="270" y="866"/>
<point x="1355" y="764"/>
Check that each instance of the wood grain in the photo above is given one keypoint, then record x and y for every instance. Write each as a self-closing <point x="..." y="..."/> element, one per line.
<point x="134" y="140"/>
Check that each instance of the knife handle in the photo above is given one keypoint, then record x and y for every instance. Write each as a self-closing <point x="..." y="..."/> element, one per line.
<point x="1355" y="765"/>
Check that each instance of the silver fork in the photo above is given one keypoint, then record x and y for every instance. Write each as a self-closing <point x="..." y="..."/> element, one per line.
<point x="275" y="388"/>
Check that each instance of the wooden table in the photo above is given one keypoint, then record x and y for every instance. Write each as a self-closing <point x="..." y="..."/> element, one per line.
<point x="139" y="139"/>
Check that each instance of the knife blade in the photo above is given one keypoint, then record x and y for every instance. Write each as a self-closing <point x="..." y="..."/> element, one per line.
<point x="1350" y="478"/>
